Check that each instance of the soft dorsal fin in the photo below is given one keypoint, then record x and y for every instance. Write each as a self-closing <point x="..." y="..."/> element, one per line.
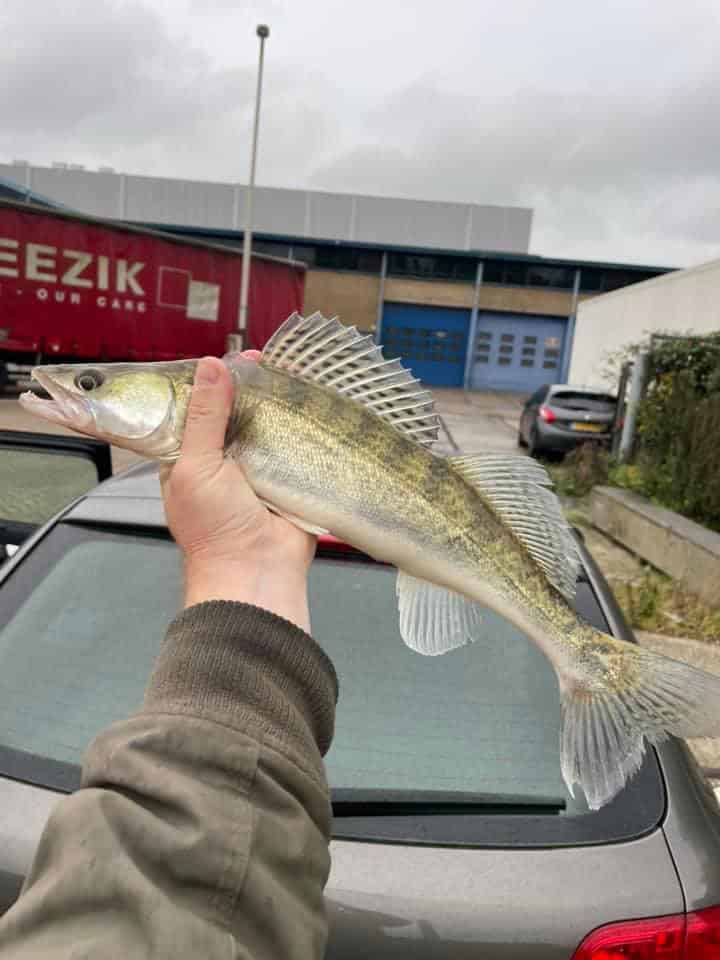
<point x="517" y="489"/>
<point x="338" y="357"/>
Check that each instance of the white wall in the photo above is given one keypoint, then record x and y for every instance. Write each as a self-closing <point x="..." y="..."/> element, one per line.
<point x="686" y="301"/>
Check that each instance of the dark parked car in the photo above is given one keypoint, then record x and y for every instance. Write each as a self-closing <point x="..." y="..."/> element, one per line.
<point x="454" y="835"/>
<point x="559" y="417"/>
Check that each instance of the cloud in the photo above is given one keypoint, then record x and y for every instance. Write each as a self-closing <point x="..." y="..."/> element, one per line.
<point x="89" y="73"/>
<point x="594" y="167"/>
<point x="109" y="82"/>
<point x="605" y="122"/>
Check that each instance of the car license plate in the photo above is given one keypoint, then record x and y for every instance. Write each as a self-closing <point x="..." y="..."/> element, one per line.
<point x="589" y="427"/>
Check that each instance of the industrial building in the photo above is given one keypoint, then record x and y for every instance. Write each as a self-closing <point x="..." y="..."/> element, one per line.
<point x="450" y="288"/>
<point x="684" y="301"/>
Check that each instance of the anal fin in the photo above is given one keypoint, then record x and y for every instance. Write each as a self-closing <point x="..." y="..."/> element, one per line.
<point x="434" y="620"/>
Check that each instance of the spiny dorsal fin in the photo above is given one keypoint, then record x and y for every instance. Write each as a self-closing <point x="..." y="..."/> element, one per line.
<point x="517" y="489"/>
<point x="326" y="352"/>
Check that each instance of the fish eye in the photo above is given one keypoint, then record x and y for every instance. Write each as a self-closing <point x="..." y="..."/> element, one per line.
<point x="88" y="380"/>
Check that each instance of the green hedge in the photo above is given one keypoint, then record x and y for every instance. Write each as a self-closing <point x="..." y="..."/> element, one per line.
<point x="678" y="453"/>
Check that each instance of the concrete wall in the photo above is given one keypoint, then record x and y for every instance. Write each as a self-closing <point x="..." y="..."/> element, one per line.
<point x="679" y="547"/>
<point x="353" y="297"/>
<point x="554" y="303"/>
<point x="437" y="293"/>
<point x="686" y="301"/>
<point x="531" y="300"/>
<point x="296" y="213"/>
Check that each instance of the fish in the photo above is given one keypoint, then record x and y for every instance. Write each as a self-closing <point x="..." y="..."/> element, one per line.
<point x="338" y="439"/>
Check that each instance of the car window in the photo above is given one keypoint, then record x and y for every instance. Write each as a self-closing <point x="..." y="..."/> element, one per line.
<point x="576" y="400"/>
<point x="34" y="486"/>
<point x="83" y="618"/>
<point x="75" y="655"/>
<point x="538" y="396"/>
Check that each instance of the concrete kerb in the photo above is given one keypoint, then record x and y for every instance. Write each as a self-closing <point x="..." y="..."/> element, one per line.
<point x="679" y="547"/>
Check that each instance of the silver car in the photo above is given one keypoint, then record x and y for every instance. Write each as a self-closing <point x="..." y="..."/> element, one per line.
<point x="453" y="836"/>
<point x="559" y="417"/>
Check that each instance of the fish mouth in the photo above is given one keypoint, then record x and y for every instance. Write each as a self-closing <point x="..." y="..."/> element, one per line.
<point x="56" y="403"/>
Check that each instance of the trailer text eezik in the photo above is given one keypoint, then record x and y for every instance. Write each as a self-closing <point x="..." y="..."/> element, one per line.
<point x="74" y="287"/>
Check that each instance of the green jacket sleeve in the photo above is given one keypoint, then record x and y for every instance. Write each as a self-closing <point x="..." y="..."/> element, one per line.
<point x="202" y="825"/>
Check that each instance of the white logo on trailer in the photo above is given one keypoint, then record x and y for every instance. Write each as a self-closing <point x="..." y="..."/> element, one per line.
<point x="203" y="299"/>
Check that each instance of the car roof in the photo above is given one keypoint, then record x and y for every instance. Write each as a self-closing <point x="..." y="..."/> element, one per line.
<point x="132" y="497"/>
<point x="139" y="480"/>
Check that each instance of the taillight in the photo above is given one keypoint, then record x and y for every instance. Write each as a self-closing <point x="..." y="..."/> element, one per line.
<point x="546" y="414"/>
<point x="692" y="937"/>
<point x="702" y="940"/>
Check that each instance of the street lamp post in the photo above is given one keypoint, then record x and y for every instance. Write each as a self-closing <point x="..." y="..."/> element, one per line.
<point x="263" y="33"/>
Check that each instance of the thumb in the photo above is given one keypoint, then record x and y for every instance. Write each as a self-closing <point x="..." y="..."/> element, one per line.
<point x="209" y="409"/>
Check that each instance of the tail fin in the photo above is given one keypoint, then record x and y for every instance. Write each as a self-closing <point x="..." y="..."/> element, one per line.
<point x="634" y="694"/>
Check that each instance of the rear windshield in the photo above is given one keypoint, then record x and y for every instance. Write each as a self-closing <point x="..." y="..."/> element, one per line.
<point x="84" y="621"/>
<point x="576" y="400"/>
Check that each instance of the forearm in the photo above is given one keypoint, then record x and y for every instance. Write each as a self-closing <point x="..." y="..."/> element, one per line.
<point x="203" y="822"/>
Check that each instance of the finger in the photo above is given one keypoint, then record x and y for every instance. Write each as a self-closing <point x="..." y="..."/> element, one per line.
<point x="209" y="409"/>
<point x="251" y="354"/>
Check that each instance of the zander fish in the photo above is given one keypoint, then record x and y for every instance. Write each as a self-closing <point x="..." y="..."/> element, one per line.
<point x="338" y="439"/>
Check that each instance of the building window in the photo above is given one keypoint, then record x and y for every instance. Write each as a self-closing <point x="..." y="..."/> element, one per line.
<point x="271" y="249"/>
<point x="603" y="280"/>
<point x="561" y="278"/>
<point x="514" y="273"/>
<point x="432" y="267"/>
<point x="332" y="257"/>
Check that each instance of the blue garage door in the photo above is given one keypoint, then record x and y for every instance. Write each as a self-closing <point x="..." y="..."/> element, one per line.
<point x="517" y="352"/>
<point x="432" y="341"/>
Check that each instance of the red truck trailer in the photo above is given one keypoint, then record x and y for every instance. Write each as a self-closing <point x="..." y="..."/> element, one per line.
<point x="77" y="288"/>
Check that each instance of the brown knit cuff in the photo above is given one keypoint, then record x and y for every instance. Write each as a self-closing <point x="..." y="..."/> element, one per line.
<point x="249" y="669"/>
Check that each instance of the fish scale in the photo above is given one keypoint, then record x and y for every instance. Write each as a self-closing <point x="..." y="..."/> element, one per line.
<point x="336" y="438"/>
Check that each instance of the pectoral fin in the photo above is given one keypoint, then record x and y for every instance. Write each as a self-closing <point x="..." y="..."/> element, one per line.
<point x="296" y="521"/>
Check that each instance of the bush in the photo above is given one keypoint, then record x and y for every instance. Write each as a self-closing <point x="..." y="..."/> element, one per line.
<point x="581" y="470"/>
<point x="677" y="461"/>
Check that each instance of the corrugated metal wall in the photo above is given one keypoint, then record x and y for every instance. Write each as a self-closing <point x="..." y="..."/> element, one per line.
<point x="297" y="213"/>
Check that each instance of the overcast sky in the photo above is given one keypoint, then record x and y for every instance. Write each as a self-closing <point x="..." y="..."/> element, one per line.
<point x="604" y="117"/>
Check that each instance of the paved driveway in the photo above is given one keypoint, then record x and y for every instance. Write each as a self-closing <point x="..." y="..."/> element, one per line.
<point x="479" y="422"/>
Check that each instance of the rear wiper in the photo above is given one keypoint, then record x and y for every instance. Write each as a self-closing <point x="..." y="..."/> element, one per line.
<point x="404" y="803"/>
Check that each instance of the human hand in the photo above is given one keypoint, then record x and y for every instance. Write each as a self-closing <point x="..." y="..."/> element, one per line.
<point x="233" y="547"/>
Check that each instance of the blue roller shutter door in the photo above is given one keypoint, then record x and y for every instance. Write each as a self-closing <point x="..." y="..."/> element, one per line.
<point x="431" y="341"/>
<point x="517" y="352"/>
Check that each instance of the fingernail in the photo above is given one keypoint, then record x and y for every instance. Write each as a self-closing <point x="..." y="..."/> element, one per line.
<point x="207" y="372"/>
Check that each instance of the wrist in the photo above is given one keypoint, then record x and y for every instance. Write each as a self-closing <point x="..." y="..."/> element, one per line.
<point x="278" y="587"/>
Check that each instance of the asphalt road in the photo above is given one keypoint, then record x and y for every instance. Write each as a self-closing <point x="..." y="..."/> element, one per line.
<point x="478" y="422"/>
